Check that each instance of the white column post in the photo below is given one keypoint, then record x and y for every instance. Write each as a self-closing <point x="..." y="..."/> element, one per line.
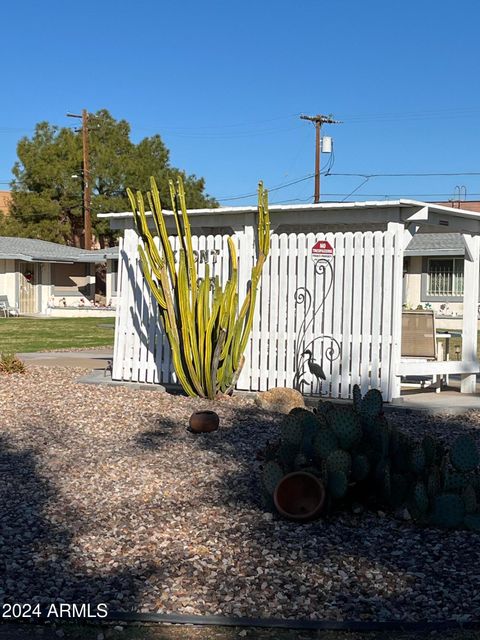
<point x="470" y="309"/>
<point x="401" y="240"/>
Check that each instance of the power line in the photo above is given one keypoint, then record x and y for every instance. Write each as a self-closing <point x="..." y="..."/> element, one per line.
<point x="276" y="188"/>
<point x="406" y="175"/>
<point x="356" y="189"/>
<point x="406" y="195"/>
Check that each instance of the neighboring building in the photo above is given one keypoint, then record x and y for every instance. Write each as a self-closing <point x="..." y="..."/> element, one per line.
<point x="345" y="311"/>
<point x="37" y="276"/>
<point x="434" y="272"/>
<point x="5" y="201"/>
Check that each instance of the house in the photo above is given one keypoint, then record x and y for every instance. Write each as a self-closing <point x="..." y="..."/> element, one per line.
<point x="45" y="277"/>
<point x="345" y="308"/>
<point x="434" y="275"/>
<point x="434" y="272"/>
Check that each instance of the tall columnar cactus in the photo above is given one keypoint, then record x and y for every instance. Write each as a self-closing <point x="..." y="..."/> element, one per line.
<point x="207" y="331"/>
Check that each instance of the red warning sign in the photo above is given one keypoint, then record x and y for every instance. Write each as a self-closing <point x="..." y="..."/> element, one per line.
<point x="322" y="248"/>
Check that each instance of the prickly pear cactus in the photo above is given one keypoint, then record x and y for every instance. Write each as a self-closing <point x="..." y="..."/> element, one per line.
<point x="361" y="459"/>
<point x="464" y="454"/>
<point x="372" y="404"/>
<point x="357" y="398"/>
<point x="417" y="459"/>
<point x="434" y="482"/>
<point x="420" y="497"/>
<point x="345" y="424"/>
<point x="291" y="430"/>
<point x="399" y="487"/>
<point x="448" y="511"/>
<point x="469" y="499"/>
<point x="360" y="467"/>
<point x="337" y="484"/>
<point x="339" y="460"/>
<point x="324" y="443"/>
<point x="272" y="473"/>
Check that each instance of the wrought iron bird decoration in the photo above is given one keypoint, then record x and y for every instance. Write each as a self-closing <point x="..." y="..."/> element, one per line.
<point x="315" y="369"/>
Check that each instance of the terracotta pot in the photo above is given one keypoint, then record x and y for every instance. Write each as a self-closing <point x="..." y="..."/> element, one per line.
<point x="299" y="496"/>
<point x="204" y="421"/>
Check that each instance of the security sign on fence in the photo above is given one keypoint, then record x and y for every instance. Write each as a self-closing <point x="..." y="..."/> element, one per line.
<point x="322" y="249"/>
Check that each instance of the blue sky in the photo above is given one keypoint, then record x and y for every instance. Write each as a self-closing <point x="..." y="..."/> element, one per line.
<point x="224" y="83"/>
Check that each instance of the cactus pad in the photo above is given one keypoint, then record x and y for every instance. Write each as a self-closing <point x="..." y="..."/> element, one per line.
<point x="360" y="467"/>
<point x="372" y="403"/>
<point x="286" y="454"/>
<point x="417" y="459"/>
<point x="339" y="460"/>
<point x="300" y="461"/>
<point x="346" y="426"/>
<point x="454" y="481"/>
<point x="357" y="398"/>
<point x="324" y="407"/>
<point x="337" y="484"/>
<point x="399" y="487"/>
<point x="291" y="430"/>
<point x="272" y="473"/>
<point x="433" y="482"/>
<point x="324" y="443"/>
<point x="469" y="499"/>
<point x="464" y="454"/>
<point x="420" y="497"/>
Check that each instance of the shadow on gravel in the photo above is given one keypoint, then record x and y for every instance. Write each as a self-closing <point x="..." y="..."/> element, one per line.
<point x="36" y="564"/>
<point x="164" y="433"/>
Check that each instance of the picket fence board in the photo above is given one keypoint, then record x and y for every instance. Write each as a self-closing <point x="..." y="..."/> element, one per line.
<point x="356" y="303"/>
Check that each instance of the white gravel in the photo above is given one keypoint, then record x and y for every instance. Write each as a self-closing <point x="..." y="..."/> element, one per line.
<point x="105" y="497"/>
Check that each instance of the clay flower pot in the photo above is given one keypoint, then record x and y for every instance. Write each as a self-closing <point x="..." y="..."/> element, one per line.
<point x="204" y="421"/>
<point x="299" y="496"/>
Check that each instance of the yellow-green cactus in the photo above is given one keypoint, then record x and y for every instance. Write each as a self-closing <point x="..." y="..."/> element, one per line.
<point x="206" y="330"/>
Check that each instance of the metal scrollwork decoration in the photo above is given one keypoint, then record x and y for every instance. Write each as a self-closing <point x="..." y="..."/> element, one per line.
<point x="304" y="356"/>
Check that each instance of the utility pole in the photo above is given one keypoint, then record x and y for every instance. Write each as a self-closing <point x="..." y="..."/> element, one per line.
<point x="318" y="120"/>
<point x="87" y="193"/>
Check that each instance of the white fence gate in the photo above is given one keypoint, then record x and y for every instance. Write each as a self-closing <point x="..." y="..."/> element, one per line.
<point x="362" y="311"/>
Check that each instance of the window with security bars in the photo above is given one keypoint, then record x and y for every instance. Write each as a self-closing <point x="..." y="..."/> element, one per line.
<point x="445" y="277"/>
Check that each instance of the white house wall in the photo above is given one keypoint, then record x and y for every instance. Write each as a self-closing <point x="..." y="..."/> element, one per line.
<point x="358" y="311"/>
<point x="8" y="285"/>
<point x="451" y="319"/>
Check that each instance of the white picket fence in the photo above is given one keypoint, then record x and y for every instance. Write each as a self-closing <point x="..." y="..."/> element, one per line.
<point x="361" y="311"/>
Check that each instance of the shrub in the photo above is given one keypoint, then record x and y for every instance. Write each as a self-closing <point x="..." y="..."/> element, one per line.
<point x="10" y="363"/>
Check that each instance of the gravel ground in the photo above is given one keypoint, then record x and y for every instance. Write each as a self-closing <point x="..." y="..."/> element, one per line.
<point x="107" y="498"/>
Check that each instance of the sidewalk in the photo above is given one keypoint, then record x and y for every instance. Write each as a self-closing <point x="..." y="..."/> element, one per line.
<point x="88" y="359"/>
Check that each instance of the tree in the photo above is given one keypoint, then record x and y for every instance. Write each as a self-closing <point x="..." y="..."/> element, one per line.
<point x="47" y="190"/>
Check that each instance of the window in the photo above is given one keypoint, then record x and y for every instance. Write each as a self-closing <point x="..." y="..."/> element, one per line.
<point x="445" y="277"/>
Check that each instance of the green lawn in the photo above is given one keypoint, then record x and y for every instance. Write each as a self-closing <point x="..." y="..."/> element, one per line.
<point x="21" y="335"/>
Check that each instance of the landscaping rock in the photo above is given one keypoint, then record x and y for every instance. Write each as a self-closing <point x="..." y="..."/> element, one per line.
<point x="107" y="498"/>
<point x="280" y="399"/>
